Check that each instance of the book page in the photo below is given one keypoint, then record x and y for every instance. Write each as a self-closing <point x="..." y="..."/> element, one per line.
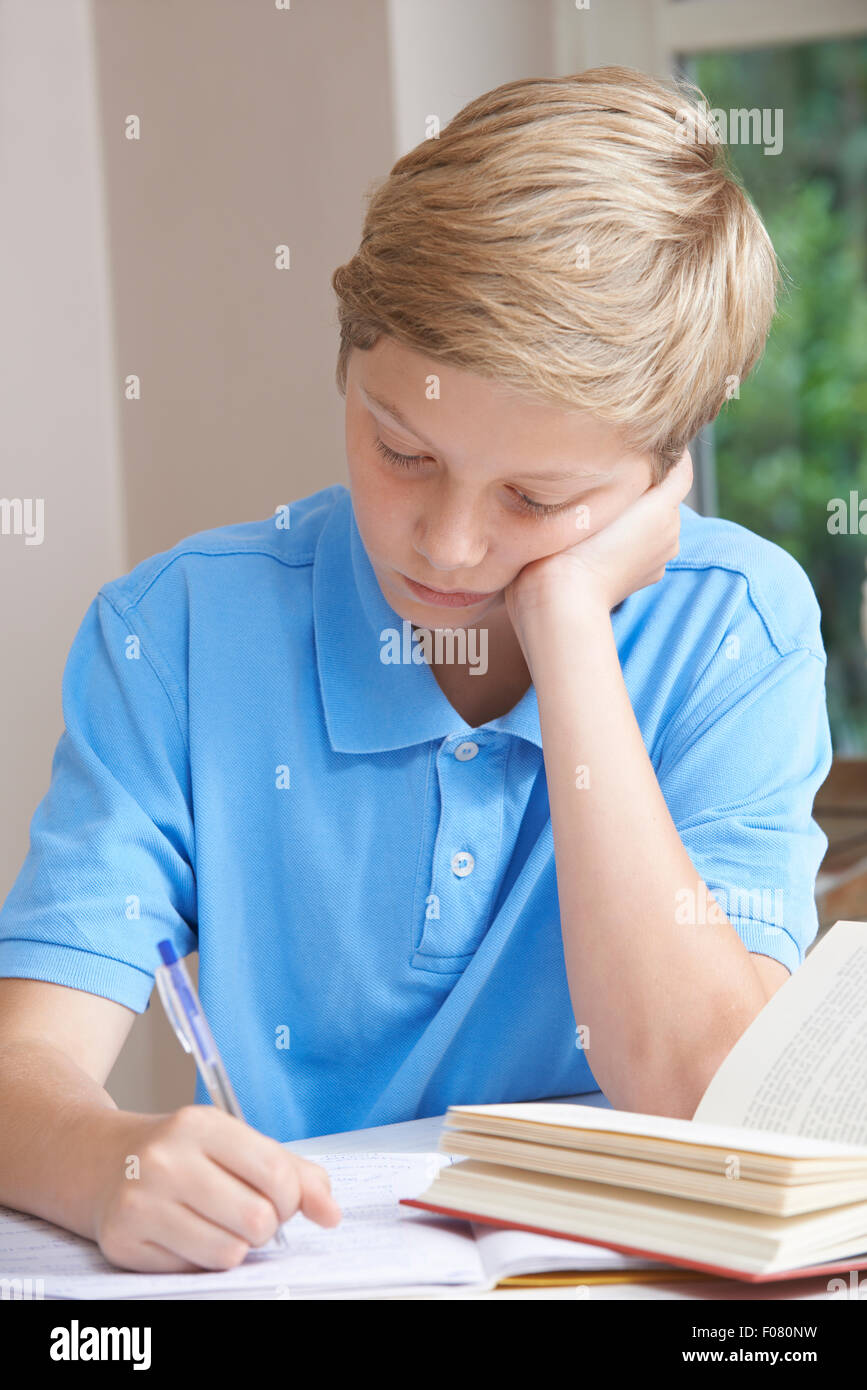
<point x="378" y="1243"/>
<point x="801" y="1066"/>
<point x="587" y="1120"/>
<point x="505" y="1251"/>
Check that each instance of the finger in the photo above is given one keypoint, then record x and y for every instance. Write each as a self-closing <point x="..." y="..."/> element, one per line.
<point x="255" y="1159"/>
<point x="163" y="1234"/>
<point x="315" y="1170"/>
<point x="287" y="1180"/>
<point x="668" y="493"/>
<point x="218" y="1196"/>
<point x="317" y="1203"/>
<point x="146" y="1256"/>
<point x="151" y="1258"/>
<point x="179" y="1233"/>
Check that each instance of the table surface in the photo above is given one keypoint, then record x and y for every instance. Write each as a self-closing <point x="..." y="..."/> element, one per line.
<point x="411" y="1136"/>
<point x="420" y="1136"/>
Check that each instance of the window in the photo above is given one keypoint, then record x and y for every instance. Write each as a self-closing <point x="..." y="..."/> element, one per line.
<point x="787" y="457"/>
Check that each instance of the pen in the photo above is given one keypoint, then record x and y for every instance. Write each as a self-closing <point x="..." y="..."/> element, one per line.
<point x="184" y="1009"/>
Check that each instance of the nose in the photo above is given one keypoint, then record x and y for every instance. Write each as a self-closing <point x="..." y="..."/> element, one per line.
<point x="450" y="534"/>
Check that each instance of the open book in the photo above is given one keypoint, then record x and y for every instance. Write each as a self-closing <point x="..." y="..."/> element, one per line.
<point x="767" y="1181"/>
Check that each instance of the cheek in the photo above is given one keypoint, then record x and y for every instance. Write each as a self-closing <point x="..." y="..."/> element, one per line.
<point x="535" y="540"/>
<point x="378" y="503"/>
<point x="381" y="496"/>
<point x="576" y="525"/>
<point x="596" y="513"/>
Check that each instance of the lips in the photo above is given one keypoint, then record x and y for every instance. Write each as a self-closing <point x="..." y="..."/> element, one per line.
<point x="457" y="598"/>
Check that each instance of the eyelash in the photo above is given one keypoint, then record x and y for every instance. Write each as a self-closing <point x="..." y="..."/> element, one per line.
<point x="539" y="509"/>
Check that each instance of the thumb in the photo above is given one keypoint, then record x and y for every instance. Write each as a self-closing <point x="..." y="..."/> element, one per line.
<point x="317" y="1202"/>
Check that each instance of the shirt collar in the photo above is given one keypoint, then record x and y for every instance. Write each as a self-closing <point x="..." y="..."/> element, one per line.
<point x="370" y="706"/>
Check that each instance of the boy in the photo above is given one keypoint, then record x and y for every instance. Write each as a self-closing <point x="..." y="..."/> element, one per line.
<point x="585" y="861"/>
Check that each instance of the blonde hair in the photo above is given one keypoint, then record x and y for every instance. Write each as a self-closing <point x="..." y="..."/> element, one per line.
<point x="581" y="239"/>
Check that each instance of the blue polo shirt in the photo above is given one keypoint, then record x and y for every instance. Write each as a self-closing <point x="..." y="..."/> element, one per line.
<point x="368" y="879"/>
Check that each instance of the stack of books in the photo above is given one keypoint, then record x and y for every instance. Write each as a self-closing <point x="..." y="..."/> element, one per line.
<point x="768" y="1180"/>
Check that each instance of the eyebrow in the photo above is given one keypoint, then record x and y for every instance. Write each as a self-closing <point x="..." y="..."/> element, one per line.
<point x="396" y="414"/>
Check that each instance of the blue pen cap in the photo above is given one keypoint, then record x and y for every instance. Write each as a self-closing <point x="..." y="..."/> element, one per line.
<point x="167" y="951"/>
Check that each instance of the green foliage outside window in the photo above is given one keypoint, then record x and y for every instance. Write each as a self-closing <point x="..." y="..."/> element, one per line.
<point x="796" y="437"/>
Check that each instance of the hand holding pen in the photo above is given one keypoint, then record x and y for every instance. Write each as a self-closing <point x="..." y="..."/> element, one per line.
<point x="195" y="1189"/>
<point x="207" y="1187"/>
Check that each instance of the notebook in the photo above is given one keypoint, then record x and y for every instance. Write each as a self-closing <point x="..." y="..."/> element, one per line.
<point x="380" y="1248"/>
<point x="767" y="1181"/>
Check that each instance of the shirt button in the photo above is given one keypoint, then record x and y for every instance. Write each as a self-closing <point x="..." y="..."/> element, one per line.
<point x="465" y="751"/>
<point x="463" y="863"/>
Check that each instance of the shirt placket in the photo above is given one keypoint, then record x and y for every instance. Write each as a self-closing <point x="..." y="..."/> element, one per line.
<point x="465" y="865"/>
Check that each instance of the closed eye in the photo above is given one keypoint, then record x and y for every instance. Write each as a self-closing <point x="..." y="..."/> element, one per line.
<point x="527" y="504"/>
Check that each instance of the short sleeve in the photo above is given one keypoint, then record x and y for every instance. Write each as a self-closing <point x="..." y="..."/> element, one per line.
<point x="740" y="786"/>
<point x="109" y="871"/>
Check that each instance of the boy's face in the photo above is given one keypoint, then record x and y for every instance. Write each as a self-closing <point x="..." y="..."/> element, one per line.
<point x="455" y="519"/>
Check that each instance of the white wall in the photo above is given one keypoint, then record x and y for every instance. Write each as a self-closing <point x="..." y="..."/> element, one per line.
<point x="57" y="409"/>
<point x="444" y="55"/>
<point x="156" y="257"/>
